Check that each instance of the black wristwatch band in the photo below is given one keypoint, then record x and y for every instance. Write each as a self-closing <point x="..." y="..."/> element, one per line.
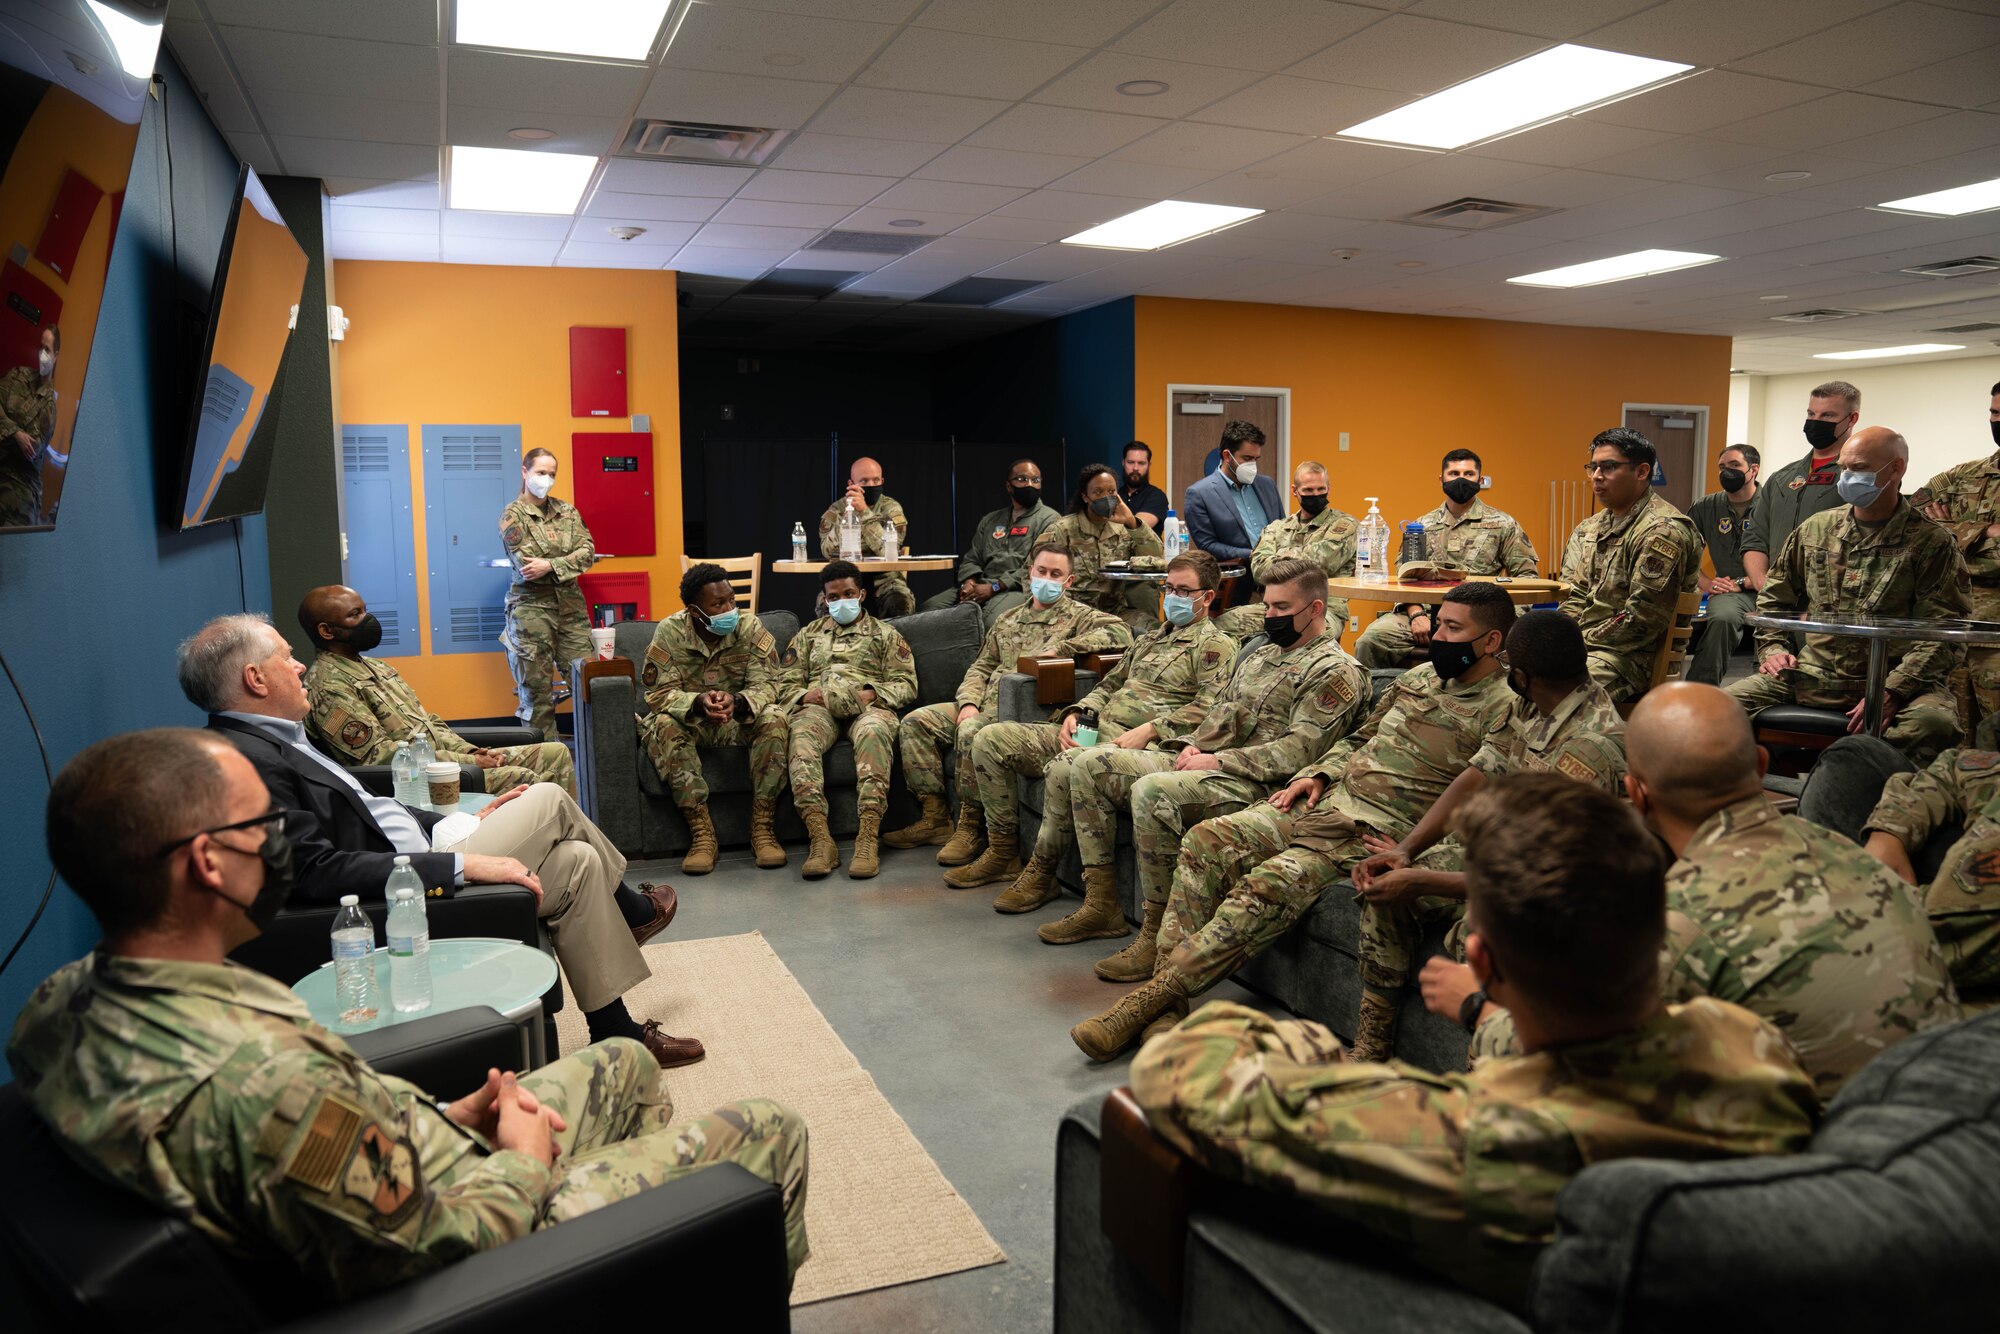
<point x="1469" y="1008"/>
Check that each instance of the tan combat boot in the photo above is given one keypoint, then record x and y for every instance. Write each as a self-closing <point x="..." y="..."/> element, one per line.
<point x="700" y="859"/>
<point x="933" y="826"/>
<point x="1000" y="861"/>
<point x="1104" y="1036"/>
<point x="867" y="858"/>
<point x="969" y="839"/>
<point x="824" y="854"/>
<point x="1035" y="886"/>
<point x="1100" y="917"/>
<point x="1167" y="1019"/>
<point x="1135" y="962"/>
<point x="764" y="832"/>
<point x="1375" y="1029"/>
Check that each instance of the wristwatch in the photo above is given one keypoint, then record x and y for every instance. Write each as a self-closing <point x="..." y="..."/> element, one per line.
<point x="1469" y="1008"/>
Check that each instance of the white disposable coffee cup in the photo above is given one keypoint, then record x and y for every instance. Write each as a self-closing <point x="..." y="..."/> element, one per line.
<point x="443" y="778"/>
<point x="603" y="640"/>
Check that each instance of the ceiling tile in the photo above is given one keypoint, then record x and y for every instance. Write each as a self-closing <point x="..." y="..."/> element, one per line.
<point x="883" y="113"/>
<point x="1030" y="127"/>
<point x="1896" y="40"/>
<point x="847" y="261"/>
<point x="350" y="219"/>
<point x="1958" y="132"/>
<point x="1253" y="189"/>
<point x="486" y="250"/>
<point x="1233" y="276"/>
<point x="1704" y="101"/>
<point x="331" y="66"/>
<point x="194" y="46"/>
<point x="535" y="83"/>
<point x="951" y="196"/>
<point x="1066" y="206"/>
<point x="383" y="245"/>
<point x="1053" y="262"/>
<point x="503" y="226"/>
<point x="1884" y="184"/>
<point x="1826" y="121"/>
<point x="1423" y="187"/>
<point x="769" y="213"/>
<point x="1561" y="19"/>
<point x="871" y="11"/>
<point x="727" y="40"/>
<point x="844" y="153"/>
<point x="672" y="178"/>
<point x="993" y="166"/>
<point x="1299" y="106"/>
<point x="714" y="98"/>
<point x="1064" y="21"/>
<point x="1136" y="180"/>
<point x="931" y="222"/>
<point x="1416" y="55"/>
<point x="1963" y="81"/>
<point x="934" y="61"/>
<point x="657" y="233"/>
<point x="487" y="127"/>
<point x="1569" y="143"/>
<point x="1337" y="162"/>
<point x="814" y="187"/>
<point x="1016" y="229"/>
<point x="382" y="20"/>
<point x="364" y="192"/>
<point x="1094" y="85"/>
<point x="1573" y="187"/>
<point x="1681" y="159"/>
<point x="1716" y="32"/>
<point x="348" y="157"/>
<point x="613" y="255"/>
<point x="737" y="236"/>
<point x="1211" y="148"/>
<point x="1213" y="32"/>
<point x="1824" y="170"/>
<point x="650" y="208"/>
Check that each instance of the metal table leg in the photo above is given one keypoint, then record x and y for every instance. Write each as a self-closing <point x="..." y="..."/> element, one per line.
<point x="1871" y="711"/>
<point x="534" y="1045"/>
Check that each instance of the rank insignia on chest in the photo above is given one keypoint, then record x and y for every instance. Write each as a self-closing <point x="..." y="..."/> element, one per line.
<point x="1724" y="525"/>
<point x="1796" y="484"/>
<point x="1001" y="531"/>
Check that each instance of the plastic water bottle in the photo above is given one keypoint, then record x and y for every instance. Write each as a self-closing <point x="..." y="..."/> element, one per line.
<point x="424" y="756"/>
<point x="799" y="542"/>
<point x="357" y="998"/>
<point x="1371" y="551"/>
<point x="890" y="543"/>
<point x="409" y="945"/>
<point x="408" y="777"/>
<point x="1416" y="546"/>
<point x="1172" y="537"/>
<point x="850" y="533"/>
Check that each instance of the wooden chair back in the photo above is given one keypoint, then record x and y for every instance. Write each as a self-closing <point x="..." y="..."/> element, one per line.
<point x="1671" y="660"/>
<point x="746" y="575"/>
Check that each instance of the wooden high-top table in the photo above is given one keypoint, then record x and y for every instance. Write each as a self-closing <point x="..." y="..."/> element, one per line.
<point x="1524" y="591"/>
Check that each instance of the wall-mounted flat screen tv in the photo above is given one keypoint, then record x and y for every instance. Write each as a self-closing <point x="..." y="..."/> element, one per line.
<point x="73" y="79"/>
<point x="255" y="302"/>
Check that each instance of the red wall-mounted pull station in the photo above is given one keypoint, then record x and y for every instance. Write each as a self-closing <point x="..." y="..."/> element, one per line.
<point x="596" y="372"/>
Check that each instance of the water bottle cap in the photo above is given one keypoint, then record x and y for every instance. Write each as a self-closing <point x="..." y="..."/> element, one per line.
<point x="402" y="861"/>
<point x="405" y="893"/>
<point x="350" y="900"/>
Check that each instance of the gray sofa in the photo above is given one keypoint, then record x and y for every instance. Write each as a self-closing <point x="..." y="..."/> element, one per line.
<point x="619" y="788"/>
<point x="1889" y="1221"/>
<point x="1314" y="970"/>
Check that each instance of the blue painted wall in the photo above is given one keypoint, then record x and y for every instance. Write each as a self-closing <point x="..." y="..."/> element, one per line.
<point x="1066" y="379"/>
<point x="90" y="614"/>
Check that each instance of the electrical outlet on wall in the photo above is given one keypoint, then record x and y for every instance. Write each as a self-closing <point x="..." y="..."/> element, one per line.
<point x="1486" y="482"/>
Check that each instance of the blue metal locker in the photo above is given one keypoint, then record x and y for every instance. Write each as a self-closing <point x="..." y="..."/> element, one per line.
<point x="471" y="473"/>
<point x="381" y="559"/>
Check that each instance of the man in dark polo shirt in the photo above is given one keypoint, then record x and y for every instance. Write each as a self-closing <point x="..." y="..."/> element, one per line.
<point x="1140" y="495"/>
<point x="1722" y="516"/>
<point x="1804" y="487"/>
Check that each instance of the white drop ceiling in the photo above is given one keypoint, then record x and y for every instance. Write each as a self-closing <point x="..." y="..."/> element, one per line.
<point x="997" y="126"/>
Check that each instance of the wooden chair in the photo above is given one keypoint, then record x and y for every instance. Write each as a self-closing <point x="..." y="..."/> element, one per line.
<point x="1671" y="659"/>
<point x="746" y="575"/>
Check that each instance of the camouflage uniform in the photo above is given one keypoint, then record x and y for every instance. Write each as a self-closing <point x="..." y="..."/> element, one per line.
<point x="548" y="625"/>
<point x="1327" y="539"/>
<point x="1244" y="879"/>
<point x="1094" y="543"/>
<point x="1583" y="739"/>
<point x="838" y="661"/>
<point x="362" y="707"/>
<point x="1625" y="576"/>
<point x="1963" y="900"/>
<point x="1722" y="527"/>
<point x="1460" y="1172"/>
<point x="892" y="596"/>
<point x="680" y="665"/>
<point x="1279" y="709"/>
<point x="1067" y="628"/>
<point x="999" y="555"/>
<point x="1970" y="494"/>
<point x="1835" y="566"/>
<point x="26" y="404"/>
<point x="1482" y="542"/>
<point x="1171" y="677"/>
<point x="208" y="1090"/>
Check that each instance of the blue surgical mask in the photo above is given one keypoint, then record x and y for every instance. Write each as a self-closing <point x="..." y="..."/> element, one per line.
<point x="725" y="622"/>
<point x="844" y="612"/>
<point x="1046" y="591"/>
<point x="1179" y="608"/>
<point x="1860" y="489"/>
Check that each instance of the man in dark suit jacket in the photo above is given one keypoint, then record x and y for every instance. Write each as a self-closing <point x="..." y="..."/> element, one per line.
<point x="1229" y="509"/>
<point x="345" y="839"/>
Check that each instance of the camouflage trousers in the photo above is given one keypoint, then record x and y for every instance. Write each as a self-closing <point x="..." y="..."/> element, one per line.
<point x="1963" y="903"/>
<point x="543" y="636"/>
<point x="923" y="736"/>
<point x="814" y="731"/>
<point x="1083" y="793"/>
<point x="1624" y="676"/>
<point x="543" y="762"/>
<point x="1002" y="750"/>
<point x="675" y="747"/>
<point x="1921" y="728"/>
<point x="20" y="491"/>
<point x="1976" y="689"/>
<point x="621" y="1137"/>
<point x="1387" y="645"/>
<point x="1393" y="933"/>
<point x="1165" y="806"/>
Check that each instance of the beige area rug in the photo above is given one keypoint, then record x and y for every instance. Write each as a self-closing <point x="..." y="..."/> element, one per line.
<point x="878" y="1210"/>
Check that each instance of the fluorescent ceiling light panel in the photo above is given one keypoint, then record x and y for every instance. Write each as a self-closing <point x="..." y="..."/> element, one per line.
<point x="136" y="43"/>
<point x="1515" y="97"/>
<point x="518" y="180"/>
<point x="1974" y="198"/>
<point x="1160" y="225"/>
<point x="1908" y="350"/>
<point x="1638" y="264"/>
<point x="613" y="29"/>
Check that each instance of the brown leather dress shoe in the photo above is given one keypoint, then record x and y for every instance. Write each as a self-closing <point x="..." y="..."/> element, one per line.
<point x="669" y="1050"/>
<point x="665" y="902"/>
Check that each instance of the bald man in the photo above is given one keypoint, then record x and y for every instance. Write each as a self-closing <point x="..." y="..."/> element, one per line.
<point x="1775" y="914"/>
<point x="878" y="513"/>
<point x="1876" y="555"/>
<point x="362" y="707"/>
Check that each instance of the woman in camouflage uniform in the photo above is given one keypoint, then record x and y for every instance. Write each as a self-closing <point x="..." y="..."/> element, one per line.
<point x="547" y="621"/>
<point x="1099" y="529"/>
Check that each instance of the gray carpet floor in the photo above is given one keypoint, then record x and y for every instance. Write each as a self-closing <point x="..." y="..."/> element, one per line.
<point x="962" y="1016"/>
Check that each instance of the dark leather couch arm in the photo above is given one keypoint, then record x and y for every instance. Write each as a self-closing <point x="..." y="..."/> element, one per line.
<point x="447" y="1054"/>
<point x="381" y="779"/>
<point x="498" y="738"/>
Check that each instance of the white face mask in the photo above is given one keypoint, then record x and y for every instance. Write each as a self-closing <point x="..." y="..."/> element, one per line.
<point x="48" y="362"/>
<point x="1246" y="473"/>
<point x="540" y="484"/>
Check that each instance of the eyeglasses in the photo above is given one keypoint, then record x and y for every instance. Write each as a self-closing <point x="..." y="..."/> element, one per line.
<point x="1023" y="479"/>
<point x="1605" y="469"/>
<point x="275" y="816"/>
<point x="1185" y="592"/>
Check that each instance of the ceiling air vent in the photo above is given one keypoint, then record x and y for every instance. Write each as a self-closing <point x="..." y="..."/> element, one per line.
<point x="868" y="243"/>
<point x="1981" y="326"/>
<point x="1816" y="316"/>
<point x="1476" y="215"/>
<point x="688" y="141"/>
<point x="1956" y="268"/>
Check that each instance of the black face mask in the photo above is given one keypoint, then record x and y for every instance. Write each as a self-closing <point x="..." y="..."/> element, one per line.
<point x="1283" y="630"/>
<point x="276" y="854"/>
<point x="1461" y="490"/>
<point x="363" y="636"/>
<point x="1995" y="428"/>
<point x="1452" y="659"/>
<point x="1025" y="496"/>
<point x="1732" y="479"/>
<point x="1312" y="504"/>
<point x="1103" y="506"/>
<point x="1820" y="434"/>
<point x="870" y="494"/>
<point x="1518" y="682"/>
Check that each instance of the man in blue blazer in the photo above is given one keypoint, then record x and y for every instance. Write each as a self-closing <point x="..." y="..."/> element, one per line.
<point x="1228" y="509"/>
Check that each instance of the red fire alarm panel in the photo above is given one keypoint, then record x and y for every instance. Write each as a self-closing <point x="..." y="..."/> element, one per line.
<point x="628" y="594"/>
<point x="596" y="372"/>
<point x="613" y="474"/>
<point x="62" y="234"/>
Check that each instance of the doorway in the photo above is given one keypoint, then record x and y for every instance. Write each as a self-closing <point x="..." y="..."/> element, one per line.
<point x="1680" y="433"/>
<point x="1191" y="435"/>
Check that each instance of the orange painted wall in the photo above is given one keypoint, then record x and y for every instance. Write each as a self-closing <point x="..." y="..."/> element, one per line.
<point x="1525" y="397"/>
<point x="448" y="343"/>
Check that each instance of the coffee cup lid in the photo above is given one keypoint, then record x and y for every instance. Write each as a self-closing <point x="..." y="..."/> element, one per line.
<point x="442" y="769"/>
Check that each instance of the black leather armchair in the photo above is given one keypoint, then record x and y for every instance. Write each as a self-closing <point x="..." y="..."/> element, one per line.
<point x="83" y="1255"/>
